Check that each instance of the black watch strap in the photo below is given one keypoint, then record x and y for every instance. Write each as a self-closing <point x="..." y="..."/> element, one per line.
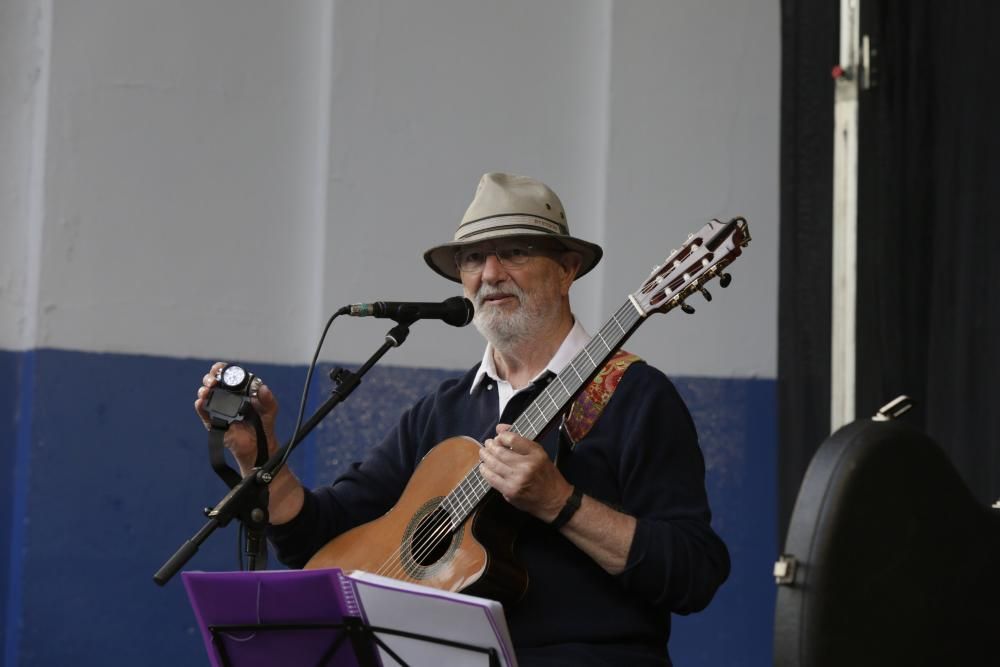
<point x="568" y="510"/>
<point x="216" y="454"/>
<point x="217" y="448"/>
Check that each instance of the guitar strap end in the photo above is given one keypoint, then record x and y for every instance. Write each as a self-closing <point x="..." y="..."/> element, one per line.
<point x="589" y="405"/>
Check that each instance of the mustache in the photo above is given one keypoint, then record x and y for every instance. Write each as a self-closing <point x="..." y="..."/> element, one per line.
<point x="485" y="291"/>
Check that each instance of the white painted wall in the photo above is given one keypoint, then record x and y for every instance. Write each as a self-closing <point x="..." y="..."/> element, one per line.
<point x="180" y="181"/>
<point x="426" y="98"/>
<point x="214" y="179"/>
<point x="695" y="136"/>
<point x="24" y="40"/>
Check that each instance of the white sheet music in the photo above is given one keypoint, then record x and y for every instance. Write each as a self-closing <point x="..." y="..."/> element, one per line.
<point x="435" y="613"/>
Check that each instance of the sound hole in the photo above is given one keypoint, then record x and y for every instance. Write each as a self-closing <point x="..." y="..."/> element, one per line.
<point x="429" y="542"/>
<point x="431" y="539"/>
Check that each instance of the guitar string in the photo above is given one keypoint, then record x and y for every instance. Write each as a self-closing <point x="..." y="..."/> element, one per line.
<point x="394" y="564"/>
<point x="444" y="524"/>
<point x="443" y="527"/>
<point x="448" y="523"/>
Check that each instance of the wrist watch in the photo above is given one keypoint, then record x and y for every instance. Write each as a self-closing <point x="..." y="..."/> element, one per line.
<point x="568" y="510"/>
<point x="229" y="401"/>
<point x="237" y="380"/>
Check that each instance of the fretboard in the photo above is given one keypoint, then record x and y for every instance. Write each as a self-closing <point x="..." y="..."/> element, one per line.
<point x="549" y="404"/>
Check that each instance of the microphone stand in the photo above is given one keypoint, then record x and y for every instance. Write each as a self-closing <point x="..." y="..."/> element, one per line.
<point x="248" y="500"/>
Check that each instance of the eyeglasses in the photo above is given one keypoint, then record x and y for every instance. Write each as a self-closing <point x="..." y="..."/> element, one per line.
<point x="472" y="260"/>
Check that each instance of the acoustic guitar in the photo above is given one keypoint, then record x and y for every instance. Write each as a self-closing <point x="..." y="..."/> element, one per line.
<point x="445" y="531"/>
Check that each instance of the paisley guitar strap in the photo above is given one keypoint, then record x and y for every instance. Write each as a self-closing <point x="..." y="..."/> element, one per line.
<point x="589" y="405"/>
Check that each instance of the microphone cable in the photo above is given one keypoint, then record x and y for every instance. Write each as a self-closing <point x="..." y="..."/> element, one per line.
<point x="305" y="393"/>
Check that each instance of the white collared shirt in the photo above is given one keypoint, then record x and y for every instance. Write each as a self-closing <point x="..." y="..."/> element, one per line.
<point x="575" y="340"/>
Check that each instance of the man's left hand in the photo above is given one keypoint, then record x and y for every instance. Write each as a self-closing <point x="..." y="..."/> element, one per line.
<point x="524" y="474"/>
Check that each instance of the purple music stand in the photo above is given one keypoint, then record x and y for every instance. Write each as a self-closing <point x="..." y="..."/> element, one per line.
<point x="265" y="618"/>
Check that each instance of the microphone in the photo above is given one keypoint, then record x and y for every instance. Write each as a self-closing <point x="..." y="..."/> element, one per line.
<point x="456" y="311"/>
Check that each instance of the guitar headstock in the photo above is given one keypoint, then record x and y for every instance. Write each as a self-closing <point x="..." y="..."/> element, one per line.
<point x="702" y="258"/>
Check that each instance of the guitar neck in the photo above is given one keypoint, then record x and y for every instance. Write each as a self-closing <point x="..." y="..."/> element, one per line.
<point x="703" y="257"/>
<point x="543" y="411"/>
<point x="546" y="408"/>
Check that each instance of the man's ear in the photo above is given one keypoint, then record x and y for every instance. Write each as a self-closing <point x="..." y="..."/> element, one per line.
<point x="570" y="262"/>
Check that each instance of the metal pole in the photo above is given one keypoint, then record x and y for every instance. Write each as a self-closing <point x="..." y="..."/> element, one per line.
<point x="845" y="218"/>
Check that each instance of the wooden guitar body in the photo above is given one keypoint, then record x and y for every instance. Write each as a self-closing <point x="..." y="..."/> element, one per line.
<point x="409" y="542"/>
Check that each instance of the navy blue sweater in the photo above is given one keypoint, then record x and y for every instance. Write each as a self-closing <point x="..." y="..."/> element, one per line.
<point x="641" y="457"/>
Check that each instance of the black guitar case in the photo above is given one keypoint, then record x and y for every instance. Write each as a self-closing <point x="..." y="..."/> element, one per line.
<point x="889" y="558"/>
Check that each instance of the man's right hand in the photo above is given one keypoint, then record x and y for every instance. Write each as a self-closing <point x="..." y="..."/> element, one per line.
<point x="240" y="438"/>
<point x="287" y="494"/>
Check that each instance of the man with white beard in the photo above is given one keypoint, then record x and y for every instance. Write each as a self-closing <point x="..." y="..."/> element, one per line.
<point x="617" y="535"/>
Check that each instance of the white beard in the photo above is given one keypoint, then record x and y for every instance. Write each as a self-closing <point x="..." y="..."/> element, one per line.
<point x="506" y="330"/>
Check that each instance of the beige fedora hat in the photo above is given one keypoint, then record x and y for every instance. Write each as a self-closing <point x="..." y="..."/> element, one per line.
<point x="507" y="206"/>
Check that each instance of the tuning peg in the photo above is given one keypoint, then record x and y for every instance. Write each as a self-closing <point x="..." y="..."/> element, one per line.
<point x="725" y="279"/>
<point x="687" y="309"/>
<point x="705" y="293"/>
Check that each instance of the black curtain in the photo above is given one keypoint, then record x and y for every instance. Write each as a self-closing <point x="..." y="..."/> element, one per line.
<point x="809" y="51"/>
<point x="928" y="314"/>
<point x="929" y="246"/>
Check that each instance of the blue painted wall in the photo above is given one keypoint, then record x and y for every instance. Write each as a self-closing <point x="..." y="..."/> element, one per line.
<point x="118" y="472"/>
<point x="8" y="438"/>
<point x="737" y="423"/>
